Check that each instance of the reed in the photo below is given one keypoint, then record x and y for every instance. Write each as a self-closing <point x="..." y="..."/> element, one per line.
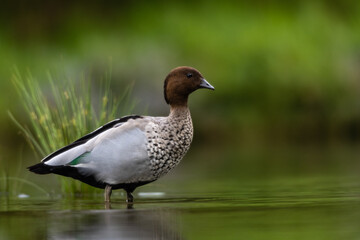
<point x="65" y="111"/>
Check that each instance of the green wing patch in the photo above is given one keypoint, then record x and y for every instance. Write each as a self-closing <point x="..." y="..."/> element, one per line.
<point x="79" y="159"/>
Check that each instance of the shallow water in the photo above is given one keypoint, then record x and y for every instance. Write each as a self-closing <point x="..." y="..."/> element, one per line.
<point x="297" y="208"/>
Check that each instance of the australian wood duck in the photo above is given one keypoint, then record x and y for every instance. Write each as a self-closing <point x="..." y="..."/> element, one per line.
<point x="133" y="150"/>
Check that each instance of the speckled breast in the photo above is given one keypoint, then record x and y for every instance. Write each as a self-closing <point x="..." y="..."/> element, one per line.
<point x="168" y="142"/>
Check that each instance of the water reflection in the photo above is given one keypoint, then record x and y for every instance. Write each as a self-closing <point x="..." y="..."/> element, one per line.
<point x="114" y="224"/>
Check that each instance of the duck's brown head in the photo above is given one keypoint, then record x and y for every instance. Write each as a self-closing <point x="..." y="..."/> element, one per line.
<point x="182" y="81"/>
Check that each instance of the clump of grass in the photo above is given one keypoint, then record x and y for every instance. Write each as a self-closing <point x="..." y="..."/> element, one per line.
<point x="65" y="112"/>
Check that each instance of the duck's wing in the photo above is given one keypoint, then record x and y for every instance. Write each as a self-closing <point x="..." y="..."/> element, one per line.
<point x="74" y="152"/>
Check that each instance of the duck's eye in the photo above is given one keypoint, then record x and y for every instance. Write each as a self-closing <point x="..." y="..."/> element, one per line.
<point x="189" y="75"/>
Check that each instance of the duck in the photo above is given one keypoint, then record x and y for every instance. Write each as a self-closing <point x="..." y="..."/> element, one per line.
<point x="133" y="150"/>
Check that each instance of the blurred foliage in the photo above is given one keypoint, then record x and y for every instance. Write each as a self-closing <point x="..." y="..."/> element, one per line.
<point x="283" y="71"/>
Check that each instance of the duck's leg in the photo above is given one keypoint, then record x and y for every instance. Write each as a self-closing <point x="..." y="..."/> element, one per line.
<point x="130" y="198"/>
<point x="107" y="194"/>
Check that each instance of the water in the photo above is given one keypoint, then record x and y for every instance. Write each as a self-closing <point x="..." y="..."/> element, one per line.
<point x="291" y="208"/>
<point x="259" y="193"/>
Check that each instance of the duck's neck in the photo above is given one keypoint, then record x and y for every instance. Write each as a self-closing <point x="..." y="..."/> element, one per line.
<point x="179" y="112"/>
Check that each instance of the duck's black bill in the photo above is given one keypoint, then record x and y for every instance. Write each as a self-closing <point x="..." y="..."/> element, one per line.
<point x="205" y="84"/>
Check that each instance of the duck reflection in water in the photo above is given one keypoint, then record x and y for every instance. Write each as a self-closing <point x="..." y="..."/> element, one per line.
<point x="114" y="224"/>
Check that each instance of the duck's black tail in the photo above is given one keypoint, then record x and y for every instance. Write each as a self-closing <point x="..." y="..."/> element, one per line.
<point x="40" y="168"/>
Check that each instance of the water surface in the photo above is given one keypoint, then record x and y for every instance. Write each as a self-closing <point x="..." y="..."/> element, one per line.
<point x="297" y="208"/>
